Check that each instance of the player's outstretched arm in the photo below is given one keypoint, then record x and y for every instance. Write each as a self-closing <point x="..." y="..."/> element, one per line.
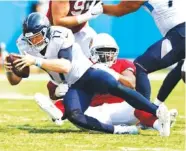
<point x="123" y="8"/>
<point x="60" y="11"/>
<point x="12" y="78"/>
<point x="56" y="65"/>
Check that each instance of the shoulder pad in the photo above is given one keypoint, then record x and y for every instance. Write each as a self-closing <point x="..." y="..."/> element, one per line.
<point x="62" y="36"/>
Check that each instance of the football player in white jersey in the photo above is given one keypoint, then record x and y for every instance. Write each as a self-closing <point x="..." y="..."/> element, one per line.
<point x="169" y="16"/>
<point x="52" y="48"/>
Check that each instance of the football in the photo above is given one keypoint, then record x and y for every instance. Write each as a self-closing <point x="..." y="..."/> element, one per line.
<point x="24" y="73"/>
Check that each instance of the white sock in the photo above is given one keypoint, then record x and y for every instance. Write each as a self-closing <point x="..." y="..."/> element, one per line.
<point x="157" y="102"/>
<point x="156" y="125"/>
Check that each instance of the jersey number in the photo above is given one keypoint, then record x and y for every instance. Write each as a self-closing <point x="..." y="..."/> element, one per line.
<point x="170" y="3"/>
<point x="82" y="5"/>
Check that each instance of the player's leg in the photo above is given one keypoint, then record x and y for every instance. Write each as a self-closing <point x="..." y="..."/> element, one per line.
<point x="76" y="102"/>
<point x="103" y="82"/>
<point x="107" y="83"/>
<point x="162" y="54"/>
<point x="169" y="83"/>
<point x="115" y="114"/>
<point x="49" y="108"/>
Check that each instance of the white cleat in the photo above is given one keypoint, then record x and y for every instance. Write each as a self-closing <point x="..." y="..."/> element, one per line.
<point x="124" y="129"/>
<point x="48" y="107"/>
<point x="164" y="120"/>
<point x="173" y="115"/>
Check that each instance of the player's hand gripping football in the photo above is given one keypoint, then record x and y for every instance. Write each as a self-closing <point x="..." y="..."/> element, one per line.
<point x="97" y="9"/>
<point x="24" y="61"/>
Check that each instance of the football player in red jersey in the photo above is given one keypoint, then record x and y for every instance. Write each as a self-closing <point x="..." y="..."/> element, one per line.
<point x="106" y="108"/>
<point x="75" y="14"/>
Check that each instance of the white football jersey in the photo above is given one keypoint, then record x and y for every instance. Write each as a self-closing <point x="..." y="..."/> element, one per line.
<point x="167" y="13"/>
<point x="61" y="38"/>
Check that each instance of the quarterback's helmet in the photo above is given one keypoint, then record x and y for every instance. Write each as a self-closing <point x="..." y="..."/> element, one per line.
<point x="104" y="49"/>
<point x="35" y="30"/>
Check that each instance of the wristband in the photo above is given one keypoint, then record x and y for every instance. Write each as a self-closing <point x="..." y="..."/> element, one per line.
<point x="39" y="62"/>
<point x="84" y="17"/>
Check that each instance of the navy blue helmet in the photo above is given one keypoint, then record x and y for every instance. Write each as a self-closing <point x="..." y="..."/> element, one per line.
<point x="36" y="30"/>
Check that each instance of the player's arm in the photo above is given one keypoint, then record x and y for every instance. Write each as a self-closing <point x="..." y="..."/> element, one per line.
<point x="123" y="8"/>
<point x="130" y="77"/>
<point x="126" y="80"/>
<point x="60" y="65"/>
<point x="12" y="78"/>
<point x="123" y="79"/>
<point x="55" y="65"/>
<point x="60" y="11"/>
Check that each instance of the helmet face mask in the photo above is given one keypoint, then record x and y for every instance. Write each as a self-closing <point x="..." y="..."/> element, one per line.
<point x="38" y="41"/>
<point x="104" y="49"/>
<point x="106" y="55"/>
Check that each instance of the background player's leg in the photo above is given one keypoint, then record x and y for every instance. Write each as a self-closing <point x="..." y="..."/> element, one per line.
<point x="162" y="54"/>
<point x="142" y="82"/>
<point x="169" y="83"/>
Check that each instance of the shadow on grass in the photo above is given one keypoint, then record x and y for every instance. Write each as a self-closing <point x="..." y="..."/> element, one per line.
<point x="49" y="129"/>
<point x="42" y="130"/>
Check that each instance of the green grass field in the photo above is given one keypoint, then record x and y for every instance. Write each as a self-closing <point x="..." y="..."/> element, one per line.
<point x="24" y="127"/>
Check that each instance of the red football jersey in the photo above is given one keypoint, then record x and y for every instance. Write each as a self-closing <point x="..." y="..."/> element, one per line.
<point x="77" y="7"/>
<point x="120" y="66"/>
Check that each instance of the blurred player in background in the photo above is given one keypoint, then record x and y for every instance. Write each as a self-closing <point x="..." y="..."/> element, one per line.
<point x="106" y="108"/>
<point x="3" y="53"/>
<point x="52" y="48"/>
<point x="75" y="14"/>
<point x="170" y="18"/>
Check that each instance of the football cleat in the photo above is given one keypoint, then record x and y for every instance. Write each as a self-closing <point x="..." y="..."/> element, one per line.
<point x="48" y="107"/>
<point x="164" y="120"/>
<point x="124" y="129"/>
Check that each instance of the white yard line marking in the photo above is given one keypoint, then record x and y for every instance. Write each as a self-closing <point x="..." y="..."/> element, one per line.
<point x="148" y="149"/>
<point x="15" y="96"/>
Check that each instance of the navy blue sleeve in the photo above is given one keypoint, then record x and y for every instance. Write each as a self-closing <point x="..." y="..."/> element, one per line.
<point x="65" y="53"/>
